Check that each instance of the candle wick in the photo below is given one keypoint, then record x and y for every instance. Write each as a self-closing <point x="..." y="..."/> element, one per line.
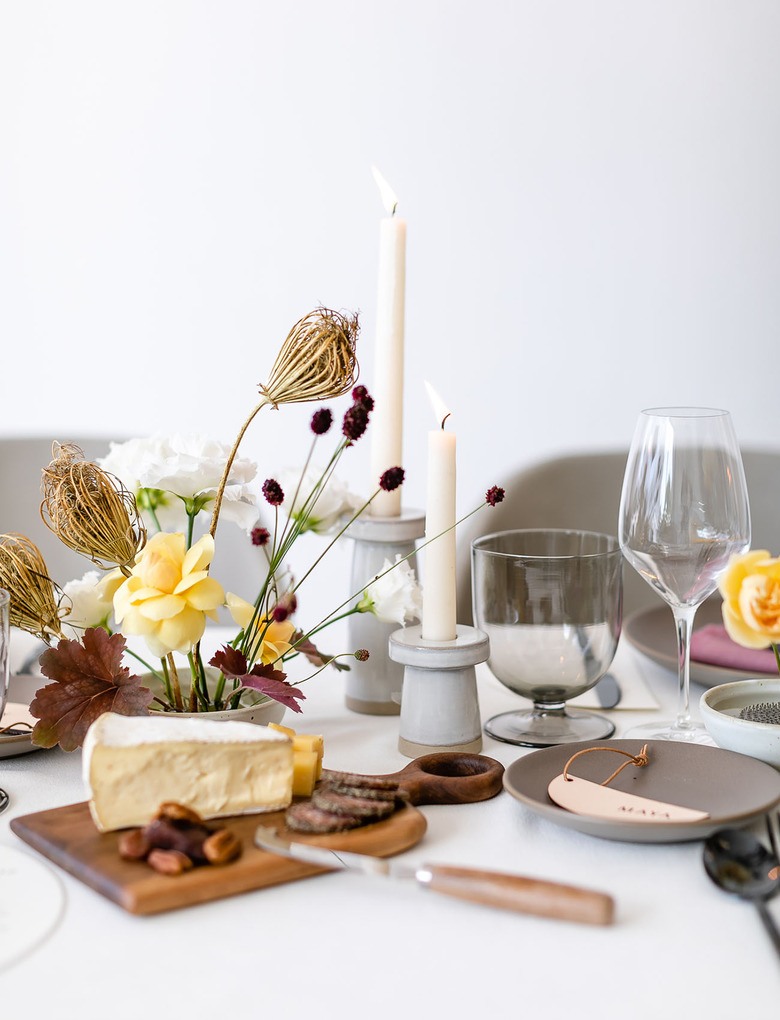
<point x="446" y="416"/>
<point x="395" y="206"/>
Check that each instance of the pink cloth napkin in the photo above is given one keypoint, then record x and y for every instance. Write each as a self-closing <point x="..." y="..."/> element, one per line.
<point x="712" y="644"/>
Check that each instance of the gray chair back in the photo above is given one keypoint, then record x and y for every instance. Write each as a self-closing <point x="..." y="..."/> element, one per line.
<point x="583" y="491"/>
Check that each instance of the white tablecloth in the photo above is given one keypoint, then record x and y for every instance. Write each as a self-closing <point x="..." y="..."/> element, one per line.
<point x="339" y="945"/>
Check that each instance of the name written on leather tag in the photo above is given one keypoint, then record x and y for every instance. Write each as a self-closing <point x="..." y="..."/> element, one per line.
<point x="582" y="797"/>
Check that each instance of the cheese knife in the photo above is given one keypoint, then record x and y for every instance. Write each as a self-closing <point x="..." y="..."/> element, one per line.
<point x="496" y="889"/>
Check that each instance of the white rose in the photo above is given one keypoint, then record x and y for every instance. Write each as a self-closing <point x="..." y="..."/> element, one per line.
<point x="333" y="502"/>
<point x="188" y="467"/>
<point x="395" y="597"/>
<point x="90" y="601"/>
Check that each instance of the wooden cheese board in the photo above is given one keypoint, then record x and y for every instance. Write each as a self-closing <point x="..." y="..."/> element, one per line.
<point x="67" y="836"/>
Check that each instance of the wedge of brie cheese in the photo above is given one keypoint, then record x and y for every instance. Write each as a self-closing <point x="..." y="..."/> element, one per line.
<point x="133" y="764"/>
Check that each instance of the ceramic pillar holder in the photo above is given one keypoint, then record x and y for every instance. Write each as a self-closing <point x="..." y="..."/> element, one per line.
<point x="374" y="687"/>
<point x="439" y="708"/>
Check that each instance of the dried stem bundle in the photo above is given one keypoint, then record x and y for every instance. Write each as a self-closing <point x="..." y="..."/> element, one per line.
<point x="89" y="510"/>
<point x="23" y="573"/>
<point x="316" y="362"/>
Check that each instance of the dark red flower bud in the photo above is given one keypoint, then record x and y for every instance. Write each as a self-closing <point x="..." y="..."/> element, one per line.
<point x="272" y="491"/>
<point x="391" y="479"/>
<point x="355" y="422"/>
<point x="494" y="495"/>
<point x="280" y="613"/>
<point x="260" y="536"/>
<point x="361" y="396"/>
<point x="321" y="421"/>
<point x="362" y="655"/>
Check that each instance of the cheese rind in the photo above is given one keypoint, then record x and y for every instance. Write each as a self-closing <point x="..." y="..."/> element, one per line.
<point x="132" y="764"/>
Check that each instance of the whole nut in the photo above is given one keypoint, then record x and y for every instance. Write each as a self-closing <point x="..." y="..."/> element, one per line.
<point x="221" y="847"/>
<point x="133" y="845"/>
<point x="169" y="862"/>
<point x="178" y="812"/>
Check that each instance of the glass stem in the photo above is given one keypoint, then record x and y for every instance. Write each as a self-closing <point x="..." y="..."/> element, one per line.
<point x="683" y="620"/>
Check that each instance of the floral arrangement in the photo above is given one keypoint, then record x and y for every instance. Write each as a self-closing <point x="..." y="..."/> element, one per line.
<point x="134" y="515"/>
<point x="750" y="587"/>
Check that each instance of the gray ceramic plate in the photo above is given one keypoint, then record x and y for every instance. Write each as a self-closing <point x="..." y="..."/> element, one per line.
<point x="733" y="788"/>
<point x="651" y="631"/>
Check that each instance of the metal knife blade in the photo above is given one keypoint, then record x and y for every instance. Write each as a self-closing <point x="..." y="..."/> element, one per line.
<point x="497" y="889"/>
<point x="608" y="691"/>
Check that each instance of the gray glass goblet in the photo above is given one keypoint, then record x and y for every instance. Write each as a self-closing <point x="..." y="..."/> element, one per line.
<point x="551" y="603"/>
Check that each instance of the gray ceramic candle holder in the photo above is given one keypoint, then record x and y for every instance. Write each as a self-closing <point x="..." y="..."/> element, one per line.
<point x="439" y="707"/>
<point x="374" y="687"/>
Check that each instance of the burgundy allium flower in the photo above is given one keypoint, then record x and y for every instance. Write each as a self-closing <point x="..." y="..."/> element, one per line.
<point x="284" y="608"/>
<point x="361" y="655"/>
<point x="494" y="495"/>
<point x="361" y="396"/>
<point x="321" y="421"/>
<point x="272" y="491"/>
<point x="355" y="422"/>
<point x="260" y="536"/>
<point x="391" y="479"/>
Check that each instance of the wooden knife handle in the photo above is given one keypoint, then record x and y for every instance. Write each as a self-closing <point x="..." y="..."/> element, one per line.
<point x="526" y="895"/>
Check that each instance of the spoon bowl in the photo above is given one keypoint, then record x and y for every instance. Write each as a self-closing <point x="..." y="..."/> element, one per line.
<point x="740" y="864"/>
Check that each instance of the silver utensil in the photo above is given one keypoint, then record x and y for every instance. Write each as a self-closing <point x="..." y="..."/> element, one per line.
<point x="608" y="691"/>
<point x="496" y="889"/>
<point x="738" y="863"/>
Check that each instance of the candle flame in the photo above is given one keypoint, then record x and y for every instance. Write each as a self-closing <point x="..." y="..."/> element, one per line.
<point x="389" y="197"/>
<point x="440" y="409"/>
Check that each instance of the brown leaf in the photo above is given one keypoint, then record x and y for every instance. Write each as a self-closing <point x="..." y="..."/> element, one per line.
<point x="315" y="656"/>
<point x="264" y="679"/>
<point x="89" y="680"/>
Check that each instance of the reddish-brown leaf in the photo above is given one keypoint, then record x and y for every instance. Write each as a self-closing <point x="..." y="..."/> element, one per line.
<point x="315" y="656"/>
<point x="264" y="679"/>
<point x="89" y="680"/>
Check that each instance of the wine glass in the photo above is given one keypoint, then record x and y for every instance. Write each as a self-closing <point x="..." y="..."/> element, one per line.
<point x="683" y="513"/>
<point x="551" y="603"/>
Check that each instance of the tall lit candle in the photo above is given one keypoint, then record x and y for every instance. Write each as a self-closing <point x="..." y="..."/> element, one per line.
<point x="439" y="590"/>
<point x="388" y="382"/>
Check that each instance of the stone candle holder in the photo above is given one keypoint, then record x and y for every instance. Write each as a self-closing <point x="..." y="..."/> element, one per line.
<point x="374" y="687"/>
<point x="439" y="707"/>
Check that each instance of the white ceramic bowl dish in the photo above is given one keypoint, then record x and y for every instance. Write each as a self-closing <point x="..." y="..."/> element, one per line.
<point x="720" y="707"/>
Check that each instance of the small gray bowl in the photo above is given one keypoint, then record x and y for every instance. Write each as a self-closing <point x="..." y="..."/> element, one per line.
<point x="720" y="707"/>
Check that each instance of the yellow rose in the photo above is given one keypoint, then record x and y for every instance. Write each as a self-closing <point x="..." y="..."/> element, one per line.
<point x="169" y="594"/>
<point x="751" y="599"/>
<point x="277" y="637"/>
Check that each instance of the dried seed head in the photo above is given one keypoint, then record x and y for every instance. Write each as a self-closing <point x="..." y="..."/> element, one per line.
<point x="89" y="510"/>
<point x="23" y="573"/>
<point x="317" y="360"/>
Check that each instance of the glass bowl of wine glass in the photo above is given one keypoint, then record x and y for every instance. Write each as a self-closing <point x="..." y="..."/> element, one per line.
<point x="551" y="603"/>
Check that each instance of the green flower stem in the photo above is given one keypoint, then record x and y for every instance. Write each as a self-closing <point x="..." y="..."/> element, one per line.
<point x="177" y="698"/>
<point x="153" y="514"/>
<point x="149" y="668"/>
<point x="335" y="539"/>
<point x="392" y="566"/>
<point x="190" y="525"/>
<point x="229" y="465"/>
<point x="777" y="656"/>
<point x="167" y="683"/>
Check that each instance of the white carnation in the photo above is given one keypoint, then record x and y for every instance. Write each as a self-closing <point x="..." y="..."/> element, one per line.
<point x="90" y="602"/>
<point x="395" y="597"/>
<point x="188" y="467"/>
<point x="334" y="501"/>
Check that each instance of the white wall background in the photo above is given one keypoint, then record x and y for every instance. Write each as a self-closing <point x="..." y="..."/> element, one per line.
<point x="591" y="189"/>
